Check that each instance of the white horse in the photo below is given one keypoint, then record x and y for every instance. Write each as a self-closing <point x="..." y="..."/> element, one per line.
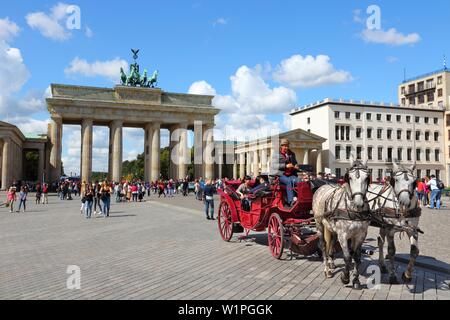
<point x="344" y="211"/>
<point x="395" y="209"/>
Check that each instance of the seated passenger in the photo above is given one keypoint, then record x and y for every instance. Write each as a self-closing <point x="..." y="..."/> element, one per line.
<point x="284" y="164"/>
<point x="262" y="186"/>
<point x="244" y="188"/>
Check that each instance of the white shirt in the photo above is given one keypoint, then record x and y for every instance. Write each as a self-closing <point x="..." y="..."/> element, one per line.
<point x="433" y="184"/>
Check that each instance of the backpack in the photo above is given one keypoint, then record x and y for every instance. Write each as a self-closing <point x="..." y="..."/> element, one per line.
<point x="440" y="185"/>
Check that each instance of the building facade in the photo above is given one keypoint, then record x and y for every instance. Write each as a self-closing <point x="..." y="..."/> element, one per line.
<point x="378" y="132"/>
<point x="427" y="90"/>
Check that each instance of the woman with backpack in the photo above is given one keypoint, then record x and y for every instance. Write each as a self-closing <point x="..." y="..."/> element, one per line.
<point x="105" y="196"/>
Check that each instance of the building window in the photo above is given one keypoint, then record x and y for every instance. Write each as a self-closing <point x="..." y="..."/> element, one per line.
<point x="389" y="134"/>
<point x="342" y="133"/>
<point x="358" y="116"/>
<point x="380" y="174"/>
<point x="441" y="104"/>
<point x="447" y="120"/>
<point x="440" y="93"/>
<point x="388" y="117"/>
<point x="337" y="152"/>
<point x="399" y="118"/>
<point x="417" y="119"/>
<point x="428" y="172"/>
<point x="411" y="88"/>
<point x="418" y="155"/>
<point x="369" y="133"/>
<point x="427" y="136"/>
<point x="358" y="133"/>
<point x="369" y="153"/>
<point x="338" y="173"/>
<point x="436" y="155"/>
<point x="399" y="134"/>
<point x="378" y="117"/>
<point x="430" y="96"/>
<point x="408" y="119"/>
<point x="389" y="155"/>
<point x="438" y="174"/>
<point x="449" y="134"/>
<point x="435" y="120"/>
<point x="408" y="135"/>
<point x="380" y="153"/>
<point x="403" y="90"/>
<point x="427" y="154"/>
<point x="379" y="133"/>
<point x="403" y="101"/>
<point x="336" y="114"/>
<point x="400" y="154"/>
<point x="417" y="135"/>
<point x="347" y="115"/>
<point x="420" y="86"/>
<point x="427" y="120"/>
<point x="347" y="133"/>
<point x="336" y="132"/>
<point x="348" y="150"/>
<point x="412" y="101"/>
<point x="421" y="98"/>
<point x="419" y="173"/>
<point x="409" y="154"/>
<point x="439" y="80"/>
<point x="369" y="116"/>
<point x="358" y="153"/>
<point x="309" y="120"/>
<point x="436" y="136"/>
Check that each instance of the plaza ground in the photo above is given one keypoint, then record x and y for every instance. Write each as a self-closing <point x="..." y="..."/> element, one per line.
<point x="166" y="249"/>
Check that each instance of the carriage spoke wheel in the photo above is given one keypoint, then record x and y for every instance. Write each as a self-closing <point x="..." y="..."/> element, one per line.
<point x="224" y="222"/>
<point x="275" y="232"/>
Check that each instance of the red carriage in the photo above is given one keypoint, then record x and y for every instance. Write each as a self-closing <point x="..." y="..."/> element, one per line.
<point x="292" y="228"/>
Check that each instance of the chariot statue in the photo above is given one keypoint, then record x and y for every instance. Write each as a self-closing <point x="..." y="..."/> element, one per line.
<point x="134" y="78"/>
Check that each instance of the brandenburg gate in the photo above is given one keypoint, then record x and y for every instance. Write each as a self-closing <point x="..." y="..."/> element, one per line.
<point x="138" y="107"/>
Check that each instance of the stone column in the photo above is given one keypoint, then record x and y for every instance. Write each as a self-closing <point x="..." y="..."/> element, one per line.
<point x="55" y="148"/>
<point x="209" y="151"/>
<point x="110" y="153"/>
<point x="264" y="167"/>
<point x="86" y="152"/>
<point x="306" y="157"/>
<point x="117" y="146"/>
<point x="319" y="167"/>
<point x="255" y="163"/>
<point x="41" y="166"/>
<point x="183" y="152"/>
<point x="156" y="150"/>
<point x="198" y="150"/>
<point x="248" y="169"/>
<point x="6" y="162"/>
<point x="242" y="164"/>
<point x="148" y="151"/>
<point x="235" y="169"/>
<point x="173" y="153"/>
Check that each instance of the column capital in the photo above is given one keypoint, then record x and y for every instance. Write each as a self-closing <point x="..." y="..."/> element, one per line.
<point x="57" y="119"/>
<point x="87" y="121"/>
<point x="117" y="123"/>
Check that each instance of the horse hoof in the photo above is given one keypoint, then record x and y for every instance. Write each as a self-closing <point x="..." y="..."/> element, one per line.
<point x="345" y="280"/>
<point x="393" y="280"/>
<point x="405" y="278"/>
<point x="357" y="285"/>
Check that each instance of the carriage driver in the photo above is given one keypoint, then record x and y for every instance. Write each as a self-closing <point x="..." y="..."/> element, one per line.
<point x="284" y="165"/>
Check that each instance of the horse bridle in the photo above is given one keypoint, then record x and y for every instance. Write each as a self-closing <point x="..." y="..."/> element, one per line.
<point x="405" y="173"/>
<point x="357" y="169"/>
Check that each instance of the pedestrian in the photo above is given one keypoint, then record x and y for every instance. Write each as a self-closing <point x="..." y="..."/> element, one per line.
<point x="11" y="197"/>
<point x="89" y="199"/>
<point x="185" y="187"/>
<point x="135" y="192"/>
<point x="208" y="199"/>
<point x="45" y="193"/>
<point x="96" y="193"/>
<point x="161" y="188"/>
<point x="105" y="192"/>
<point x="435" y="187"/>
<point x="23" y="198"/>
<point x="38" y="193"/>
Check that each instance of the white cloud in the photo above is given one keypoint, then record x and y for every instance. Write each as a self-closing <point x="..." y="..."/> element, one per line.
<point x="109" y="69"/>
<point x="390" y="37"/>
<point x="307" y="72"/>
<point x="8" y="29"/>
<point x="220" y="21"/>
<point x="50" y="25"/>
<point x="391" y="59"/>
<point x="29" y="125"/>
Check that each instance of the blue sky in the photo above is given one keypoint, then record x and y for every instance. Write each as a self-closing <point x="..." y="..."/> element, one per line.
<point x="197" y="46"/>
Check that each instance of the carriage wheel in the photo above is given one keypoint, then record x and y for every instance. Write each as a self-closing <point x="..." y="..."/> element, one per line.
<point x="224" y="222"/>
<point x="275" y="232"/>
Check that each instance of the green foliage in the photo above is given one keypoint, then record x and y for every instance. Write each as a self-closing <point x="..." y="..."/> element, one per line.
<point x="31" y="166"/>
<point x="134" y="168"/>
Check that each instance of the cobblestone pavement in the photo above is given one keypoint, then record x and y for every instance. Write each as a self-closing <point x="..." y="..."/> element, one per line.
<point x="166" y="249"/>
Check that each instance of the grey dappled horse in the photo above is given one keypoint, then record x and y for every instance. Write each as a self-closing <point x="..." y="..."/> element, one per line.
<point x="344" y="211"/>
<point x="395" y="209"/>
